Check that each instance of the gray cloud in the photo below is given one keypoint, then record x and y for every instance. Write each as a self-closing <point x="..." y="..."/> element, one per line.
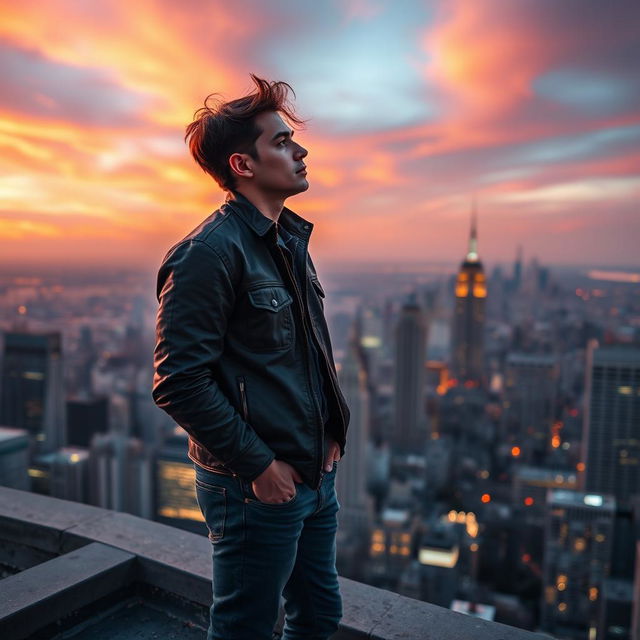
<point x="38" y="87"/>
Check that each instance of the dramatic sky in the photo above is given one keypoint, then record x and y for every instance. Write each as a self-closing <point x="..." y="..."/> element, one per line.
<point x="414" y="108"/>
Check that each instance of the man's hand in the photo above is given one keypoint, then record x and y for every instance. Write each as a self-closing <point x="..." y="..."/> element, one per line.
<point x="276" y="483"/>
<point x="333" y="454"/>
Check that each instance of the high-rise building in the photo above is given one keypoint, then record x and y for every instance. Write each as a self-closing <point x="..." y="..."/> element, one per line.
<point x="85" y="417"/>
<point x="69" y="474"/>
<point x="438" y="554"/>
<point x="175" y="495"/>
<point x="577" y="551"/>
<point x="635" y="625"/>
<point x="611" y="437"/>
<point x="14" y="458"/>
<point x="120" y="474"/>
<point x="529" y="503"/>
<point x="32" y="389"/>
<point x="410" y="420"/>
<point x="469" y="315"/>
<point x="390" y="550"/>
<point x="517" y="270"/>
<point x="531" y="387"/>
<point x="351" y="479"/>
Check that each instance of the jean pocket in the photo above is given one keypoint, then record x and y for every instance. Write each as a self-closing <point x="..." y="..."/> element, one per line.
<point x="213" y="504"/>
<point x="250" y="498"/>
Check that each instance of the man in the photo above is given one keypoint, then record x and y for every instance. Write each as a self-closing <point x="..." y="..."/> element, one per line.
<point x="244" y="364"/>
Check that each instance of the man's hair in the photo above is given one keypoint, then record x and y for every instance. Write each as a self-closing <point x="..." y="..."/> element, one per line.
<point x="220" y="129"/>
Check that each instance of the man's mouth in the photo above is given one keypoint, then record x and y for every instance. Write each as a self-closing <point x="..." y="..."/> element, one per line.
<point x="303" y="168"/>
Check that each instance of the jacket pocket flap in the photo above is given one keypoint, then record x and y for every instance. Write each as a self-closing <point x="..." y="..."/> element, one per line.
<point x="270" y="298"/>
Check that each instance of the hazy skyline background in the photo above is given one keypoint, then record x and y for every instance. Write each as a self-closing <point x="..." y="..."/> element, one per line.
<point x="533" y="106"/>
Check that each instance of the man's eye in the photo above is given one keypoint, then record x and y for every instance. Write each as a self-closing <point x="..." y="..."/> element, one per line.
<point x="282" y="142"/>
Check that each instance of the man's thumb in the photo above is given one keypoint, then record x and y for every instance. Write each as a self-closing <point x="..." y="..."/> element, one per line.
<point x="296" y="476"/>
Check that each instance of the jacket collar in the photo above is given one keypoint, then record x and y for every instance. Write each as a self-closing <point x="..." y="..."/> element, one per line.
<point x="291" y="221"/>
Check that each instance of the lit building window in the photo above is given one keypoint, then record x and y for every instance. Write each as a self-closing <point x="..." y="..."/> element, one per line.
<point x="479" y="291"/>
<point x="579" y="545"/>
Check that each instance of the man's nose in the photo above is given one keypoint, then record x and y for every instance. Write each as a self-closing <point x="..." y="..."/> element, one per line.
<point x="301" y="152"/>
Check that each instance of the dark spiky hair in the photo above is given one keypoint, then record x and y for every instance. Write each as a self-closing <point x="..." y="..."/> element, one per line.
<point x="220" y="128"/>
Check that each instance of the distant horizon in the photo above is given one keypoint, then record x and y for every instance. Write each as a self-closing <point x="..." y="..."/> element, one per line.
<point x="354" y="266"/>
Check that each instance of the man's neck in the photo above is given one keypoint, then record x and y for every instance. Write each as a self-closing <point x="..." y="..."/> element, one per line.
<point x="267" y="205"/>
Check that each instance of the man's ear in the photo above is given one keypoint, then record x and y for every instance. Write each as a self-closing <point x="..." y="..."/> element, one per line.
<point x="241" y="165"/>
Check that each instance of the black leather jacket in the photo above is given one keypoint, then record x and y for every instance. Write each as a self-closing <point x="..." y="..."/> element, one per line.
<point x="231" y="361"/>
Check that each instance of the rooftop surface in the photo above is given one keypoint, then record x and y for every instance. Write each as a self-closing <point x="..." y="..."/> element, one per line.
<point x="82" y="571"/>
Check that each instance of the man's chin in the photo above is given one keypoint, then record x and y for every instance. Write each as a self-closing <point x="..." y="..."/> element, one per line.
<point x="301" y="188"/>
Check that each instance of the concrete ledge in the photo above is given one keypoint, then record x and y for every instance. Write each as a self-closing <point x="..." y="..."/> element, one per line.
<point x="179" y="562"/>
<point x="47" y="518"/>
<point x="378" y="614"/>
<point x="47" y="592"/>
<point x="166" y="555"/>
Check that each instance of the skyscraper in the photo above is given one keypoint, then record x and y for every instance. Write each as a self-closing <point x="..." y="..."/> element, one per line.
<point x="69" y="474"/>
<point x="577" y="551"/>
<point x="175" y="492"/>
<point x="351" y="479"/>
<point x="120" y="474"/>
<point x="410" y="423"/>
<point x="14" y="458"/>
<point x="86" y="416"/>
<point x="469" y="314"/>
<point x="32" y="391"/>
<point x="611" y="437"/>
<point x="531" y="387"/>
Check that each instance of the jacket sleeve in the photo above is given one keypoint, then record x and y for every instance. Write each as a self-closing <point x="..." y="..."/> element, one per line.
<point x="196" y="299"/>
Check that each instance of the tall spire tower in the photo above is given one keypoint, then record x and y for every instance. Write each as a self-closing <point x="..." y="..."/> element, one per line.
<point x="472" y="254"/>
<point x="469" y="315"/>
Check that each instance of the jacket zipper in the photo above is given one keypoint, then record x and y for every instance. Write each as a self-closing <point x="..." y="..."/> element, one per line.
<point x="243" y="398"/>
<point x="304" y="324"/>
<point x="330" y="372"/>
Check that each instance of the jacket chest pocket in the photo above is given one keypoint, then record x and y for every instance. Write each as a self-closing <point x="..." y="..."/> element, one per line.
<point x="268" y="319"/>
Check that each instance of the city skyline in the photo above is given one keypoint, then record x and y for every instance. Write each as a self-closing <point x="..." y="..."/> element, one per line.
<point x="531" y="107"/>
<point x="461" y="514"/>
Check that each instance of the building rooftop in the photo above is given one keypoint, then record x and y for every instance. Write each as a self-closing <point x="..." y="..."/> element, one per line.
<point x="10" y="434"/>
<point x="545" y="476"/>
<point x="534" y="359"/>
<point x="561" y="497"/>
<point x="617" y="355"/>
<point x="82" y="571"/>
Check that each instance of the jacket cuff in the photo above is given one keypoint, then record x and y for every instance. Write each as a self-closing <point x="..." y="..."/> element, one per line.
<point x="251" y="462"/>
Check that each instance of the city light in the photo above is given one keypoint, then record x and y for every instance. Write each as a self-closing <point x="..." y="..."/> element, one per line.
<point x="485" y="498"/>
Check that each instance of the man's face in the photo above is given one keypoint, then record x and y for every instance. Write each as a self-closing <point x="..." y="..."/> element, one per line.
<point x="280" y="169"/>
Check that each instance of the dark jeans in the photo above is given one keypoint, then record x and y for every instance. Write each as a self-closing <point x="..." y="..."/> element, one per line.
<point x="262" y="551"/>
